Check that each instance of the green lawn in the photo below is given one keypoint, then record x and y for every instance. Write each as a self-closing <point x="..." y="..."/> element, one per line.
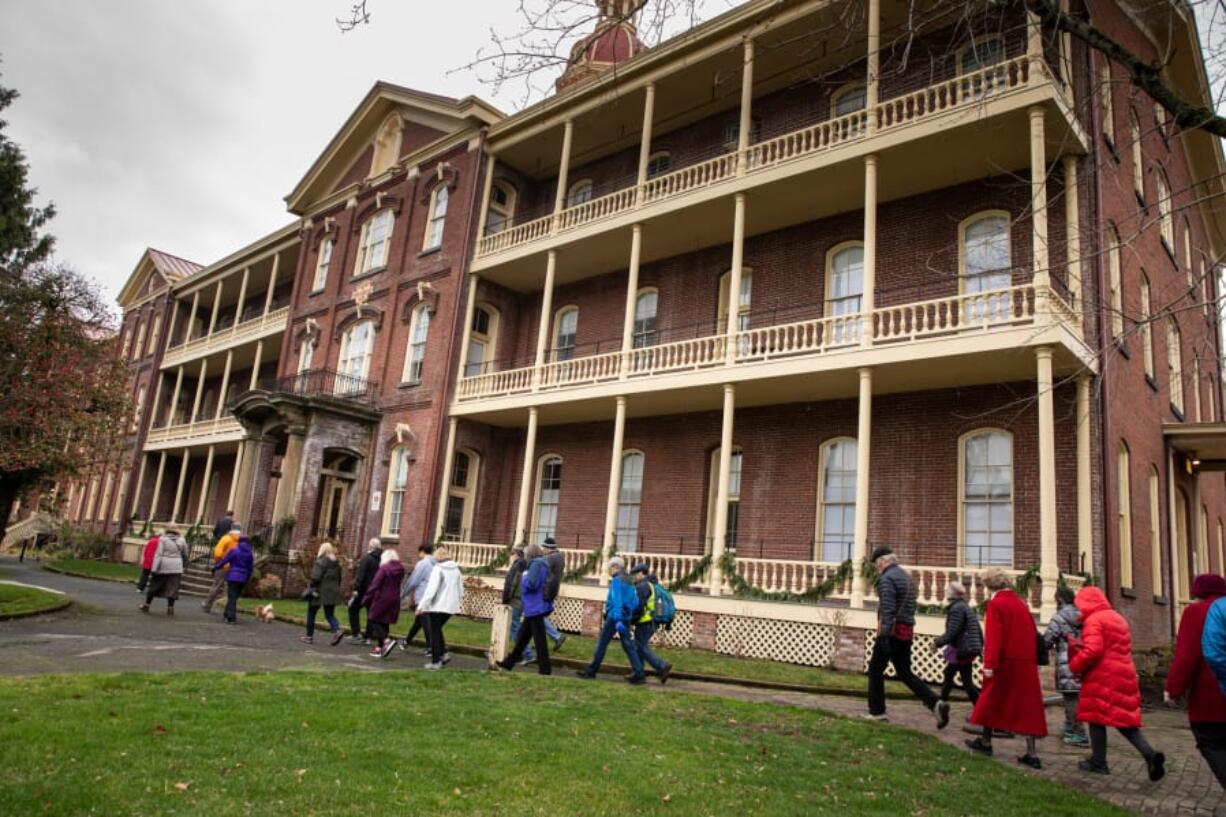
<point x="477" y="634"/>
<point x="468" y="743"/>
<point x="99" y="570"/>
<point x="16" y="600"/>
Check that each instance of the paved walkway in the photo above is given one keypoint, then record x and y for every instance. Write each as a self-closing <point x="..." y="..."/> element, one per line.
<point x="104" y="632"/>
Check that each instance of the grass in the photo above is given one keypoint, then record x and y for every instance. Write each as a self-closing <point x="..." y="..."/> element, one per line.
<point x="98" y="570"/>
<point x="466" y="743"/>
<point x="476" y="633"/>
<point x="16" y="601"/>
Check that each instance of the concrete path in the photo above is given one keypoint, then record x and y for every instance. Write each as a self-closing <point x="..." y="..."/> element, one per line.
<point x="104" y="632"/>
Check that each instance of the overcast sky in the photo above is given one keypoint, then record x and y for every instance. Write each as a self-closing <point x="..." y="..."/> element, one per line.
<point x="181" y="125"/>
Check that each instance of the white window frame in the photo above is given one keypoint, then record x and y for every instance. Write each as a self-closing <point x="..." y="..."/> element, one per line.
<point x="436" y="223"/>
<point x="1123" y="499"/>
<point x="322" y="263"/>
<point x="630" y="500"/>
<point x="538" y="504"/>
<point x="154" y="334"/>
<point x="823" y="541"/>
<point x="841" y="95"/>
<point x="1147" y="328"/>
<point x="486" y="341"/>
<point x="963" y="501"/>
<point x="138" y="350"/>
<point x="463" y="492"/>
<point x="644" y="338"/>
<point x="397" y="489"/>
<point x="386" y="145"/>
<point x="351" y="367"/>
<point x="1155" y="532"/>
<point x="993" y="308"/>
<point x="987" y="84"/>
<point x="736" y="469"/>
<point x="1138" y="166"/>
<point x="744" y="302"/>
<point x="1166" y="219"/>
<point x="1107" y="99"/>
<point x="659" y="163"/>
<point x="139" y="411"/>
<point x="1115" y="282"/>
<point x="581" y="192"/>
<point x="1174" y="364"/>
<point x="375" y="242"/>
<point x="122" y="489"/>
<point x="415" y="351"/>
<point x="500" y="214"/>
<point x="306" y="354"/>
<point x="559" y="352"/>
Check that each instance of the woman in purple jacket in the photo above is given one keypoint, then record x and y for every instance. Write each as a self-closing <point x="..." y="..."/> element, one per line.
<point x="383" y="601"/>
<point x="536" y="608"/>
<point x="241" y="563"/>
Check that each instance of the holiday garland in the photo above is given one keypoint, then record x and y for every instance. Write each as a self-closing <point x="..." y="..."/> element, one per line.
<point x="696" y="573"/>
<point x="499" y="561"/>
<point x="590" y="564"/>
<point x="740" y="587"/>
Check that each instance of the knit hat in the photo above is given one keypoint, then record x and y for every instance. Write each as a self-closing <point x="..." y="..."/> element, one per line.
<point x="549" y="542"/>
<point x="884" y="550"/>
<point x="1208" y="584"/>
<point x="641" y="567"/>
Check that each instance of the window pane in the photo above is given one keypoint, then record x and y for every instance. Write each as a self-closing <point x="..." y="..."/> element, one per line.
<point x="850" y="101"/>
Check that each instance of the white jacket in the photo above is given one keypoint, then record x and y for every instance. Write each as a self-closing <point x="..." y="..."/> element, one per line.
<point x="444" y="591"/>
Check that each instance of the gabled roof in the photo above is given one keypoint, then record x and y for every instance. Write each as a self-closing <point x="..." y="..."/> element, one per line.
<point x="438" y="112"/>
<point x="171" y="269"/>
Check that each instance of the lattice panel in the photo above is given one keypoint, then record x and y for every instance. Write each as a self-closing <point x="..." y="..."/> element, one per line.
<point x="567" y="614"/>
<point x="926" y="664"/>
<point x="680" y="634"/>
<point x="480" y="604"/>
<point x="792" y="641"/>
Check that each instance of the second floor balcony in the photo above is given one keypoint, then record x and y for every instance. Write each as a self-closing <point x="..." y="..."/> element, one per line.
<point x="255" y="324"/>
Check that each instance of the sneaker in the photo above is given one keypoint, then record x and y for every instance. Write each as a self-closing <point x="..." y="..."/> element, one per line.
<point x="977" y="745"/>
<point x="336" y="638"/>
<point x="376" y="653"/>
<point x="386" y="649"/>
<point x="434" y="665"/>
<point x="1031" y="760"/>
<point x="869" y="716"/>
<point x="941" y="712"/>
<point x="636" y="680"/>
<point x="1076" y="739"/>
<point x="585" y="674"/>
<point x="144" y="608"/>
<point x="664" y="673"/>
<point x="527" y="659"/>
<point x="356" y="639"/>
<point x="306" y="639"/>
<point x="446" y="659"/>
<point x="557" y="645"/>
<point x="404" y="645"/>
<point x="1157" y="766"/>
<point x="1093" y="768"/>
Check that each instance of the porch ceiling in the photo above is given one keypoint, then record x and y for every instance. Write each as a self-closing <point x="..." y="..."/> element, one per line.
<point x="1202" y="442"/>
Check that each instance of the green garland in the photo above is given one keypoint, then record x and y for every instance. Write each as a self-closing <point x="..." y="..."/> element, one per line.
<point x="742" y="588"/>
<point x="501" y="560"/>
<point x="590" y="564"/>
<point x="696" y="573"/>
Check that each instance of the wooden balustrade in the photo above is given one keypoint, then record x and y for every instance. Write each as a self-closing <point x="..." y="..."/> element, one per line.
<point x="580" y="370"/>
<point x="693" y="177"/>
<point x="807" y="141"/>
<point x="473" y="554"/>
<point x="596" y="209"/>
<point x="799" y="338"/>
<point x="966" y="312"/>
<point x="964" y="90"/>
<point x="696" y="353"/>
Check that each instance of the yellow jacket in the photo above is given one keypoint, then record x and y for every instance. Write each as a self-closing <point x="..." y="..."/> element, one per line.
<point x="224" y="545"/>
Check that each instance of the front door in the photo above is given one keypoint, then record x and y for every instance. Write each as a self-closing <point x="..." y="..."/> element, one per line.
<point x="332" y="510"/>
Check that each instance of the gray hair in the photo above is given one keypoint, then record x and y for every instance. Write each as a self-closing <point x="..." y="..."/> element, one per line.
<point x="955" y="590"/>
<point x="374" y="543"/>
<point x="618" y="562"/>
<point x="533" y="551"/>
<point x="887" y="559"/>
<point x="996" y="579"/>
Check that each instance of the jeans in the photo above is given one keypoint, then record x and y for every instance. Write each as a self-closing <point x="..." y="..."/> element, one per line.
<point x="1070" y="701"/>
<point x="887" y="650"/>
<point x="1098" y="743"/>
<point x="434" y="635"/>
<point x="144" y="579"/>
<point x="219" y="583"/>
<point x="421" y="624"/>
<point x="1211" y="741"/>
<point x="355" y="619"/>
<point x="534" y="629"/>
<point x="551" y="630"/>
<point x="233" y="591"/>
<point x="966" y="672"/>
<point x="643" y="631"/>
<point x="329" y="614"/>
<point x="606" y="635"/>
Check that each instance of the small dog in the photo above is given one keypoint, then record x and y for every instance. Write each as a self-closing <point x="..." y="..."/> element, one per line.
<point x="265" y="613"/>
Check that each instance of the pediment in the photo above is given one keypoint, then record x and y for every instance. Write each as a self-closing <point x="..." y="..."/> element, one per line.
<point x="155" y="271"/>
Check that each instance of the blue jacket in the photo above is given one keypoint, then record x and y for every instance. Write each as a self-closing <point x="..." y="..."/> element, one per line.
<point x="532" y="589"/>
<point x="1213" y="642"/>
<point x="241" y="562"/>
<point x="622" y="599"/>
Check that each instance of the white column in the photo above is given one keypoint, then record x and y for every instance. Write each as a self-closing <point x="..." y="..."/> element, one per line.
<point x="204" y="370"/>
<point x="1049" y="569"/>
<point x="864" y="434"/>
<point x="242" y="297"/>
<point x="152" y="413"/>
<point x="157" y="487"/>
<point x="632" y="293"/>
<point x="448" y="460"/>
<point x="470" y="309"/>
<point x="1085" y="509"/>
<point x="239" y="455"/>
<point x="225" y="384"/>
<point x="174" y="514"/>
<point x="172" y="323"/>
<point x="487" y="187"/>
<point x="869" y="276"/>
<point x="174" y="398"/>
<point x="746" y="121"/>
<point x="542" y="329"/>
<point x="719" y="534"/>
<point x="216" y="310"/>
<point x="871" y="87"/>
<point x="1034" y="46"/>
<point x="649" y="107"/>
<point x="525" y="481"/>
<point x="1038" y="200"/>
<point x="204" y="485"/>
<point x="1072" y="232"/>
<point x="191" y="321"/>
<point x="734" y="279"/>
<point x="272" y="283"/>
<point x="255" y="366"/>
<point x="559" y="199"/>
<point x="614" y="495"/>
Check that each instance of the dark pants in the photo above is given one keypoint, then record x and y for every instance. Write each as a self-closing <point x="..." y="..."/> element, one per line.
<point x="606" y="635"/>
<point x="355" y="619"/>
<point x="531" y="628"/>
<point x="1211" y="741"/>
<point x="434" y="635"/>
<point x="888" y="651"/>
<point x="143" y="582"/>
<point x="149" y="600"/>
<point x="643" y="631"/>
<point x="377" y="631"/>
<point x="329" y="614"/>
<point x="233" y="591"/>
<point x="420" y="625"/>
<point x="1098" y="743"/>
<point x="966" y="673"/>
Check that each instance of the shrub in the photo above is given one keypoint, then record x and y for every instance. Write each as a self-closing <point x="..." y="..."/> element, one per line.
<point x="265" y="587"/>
<point x="80" y="543"/>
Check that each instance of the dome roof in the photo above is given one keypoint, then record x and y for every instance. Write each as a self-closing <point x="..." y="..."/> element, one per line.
<point x="614" y="41"/>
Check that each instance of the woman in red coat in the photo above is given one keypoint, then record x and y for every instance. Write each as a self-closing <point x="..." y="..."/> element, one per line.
<point x="1190" y="676"/>
<point x="146" y="563"/>
<point x="1011" y="698"/>
<point x="1110" y="693"/>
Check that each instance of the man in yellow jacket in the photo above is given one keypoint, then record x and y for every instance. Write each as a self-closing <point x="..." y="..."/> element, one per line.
<point x="224" y="545"/>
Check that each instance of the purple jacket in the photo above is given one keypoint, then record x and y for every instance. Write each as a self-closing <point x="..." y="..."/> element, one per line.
<point x="532" y="589"/>
<point x="383" y="595"/>
<point x="241" y="562"/>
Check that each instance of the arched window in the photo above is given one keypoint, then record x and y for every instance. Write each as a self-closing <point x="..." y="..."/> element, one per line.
<point x="845" y="279"/>
<point x="461" y="490"/>
<point x="107" y="485"/>
<point x="849" y="99"/>
<point x="415" y="355"/>
<point x="155" y="334"/>
<point x="501" y="208"/>
<point x="1106" y="96"/>
<point x="1114" y="282"/>
<point x="659" y="163"/>
<point x="438" y="218"/>
<point x="387" y="145"/>
<point x="1221" y="547"/>
<point x="645" y="318"/>
<point x="321" y="265"/>
<point x="629" y="499"/>
<point x="836" y="504"/>
<point x="580" y="193"/>
<point x="987" y="498"/>
<point x="549" y="491"/>
<point x="482" y="337"/>
<point x="139" y="411"/>
<point x="138" y="350"/>
<point x="397" y="484"/>
<point x="353" y="364"/>
<point x="1166" y="221"/>
<point x="1187" y="249"/>
<point x="986" y="266"/>
<point x="127" y="342"/>
<point x="1174" y="364"/>
<point x="972" y="61"/>
<point x="1138" y="172"/>
<point x="1147" y="330"/>
<point x="734" y="496"/>
<point x="744" y="302"/>
<point x="1123" y="479"/>
<point x="1155" y="535"/>
<point x="566" y="326"/>
<point x="376" y="238"/>
<point x="1160" y="121"/>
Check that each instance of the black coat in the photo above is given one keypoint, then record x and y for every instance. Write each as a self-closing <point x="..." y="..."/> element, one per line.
<point x="510" y="585"/>
<point x="556" y="563"/>
<point x="962" y="630"/>
<point x="223" y="526"/>
<point x="895" y="599"/>
<point x="367" y="567"/>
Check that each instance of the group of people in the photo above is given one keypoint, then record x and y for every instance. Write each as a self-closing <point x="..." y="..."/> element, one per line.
<point x="165" y="557"/>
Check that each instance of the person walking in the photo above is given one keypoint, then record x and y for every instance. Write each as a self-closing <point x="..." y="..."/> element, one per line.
<point x="442" y="598"/>
<point x="1110" y="691"/>
<point x="895" y="629"/>
<point x="533" y="583"/>
<point x="1065" y="627"/>
<point x="368" y="566"/>
<point x="223" y="526"/>
<point x="238" y="564"/>
<point x="644" y="621"/>
<point x="962" y="642"/>
<point x="146" y="563"/>
<point x="1011" y="699"/>
<point x="167" y="566"/>
<point x="224" y="545"/>
<point x="512" y="596"/>
<point x="557" y="568"/>
<point x="1190" y="677"/>
<point x="324" y="590"/>
<point x="619" y="607"/>
<point x="413" y="588"/>
<point x="382" y="602"/>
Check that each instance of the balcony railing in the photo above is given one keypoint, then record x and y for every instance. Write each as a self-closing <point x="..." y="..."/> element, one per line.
<point x="962" y="314"/>
<point x="320" y="383"/>
<point x="231" y="336"/>
<point x="202" y="431"/>
<point x="961" y="92"/>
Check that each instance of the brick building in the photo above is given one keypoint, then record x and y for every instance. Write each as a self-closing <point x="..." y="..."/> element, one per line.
<point x="702" y="303"/>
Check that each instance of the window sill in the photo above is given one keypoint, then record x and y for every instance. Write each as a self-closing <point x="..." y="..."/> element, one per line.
<point x="410" y="384"/>
<point x="1170" y="253"/>
<point x="1149" y="381"/>
<point x="1111" y="148"/>
<point x="369" y="273"/>
<point x="1178" y="413"/>
<point x="315" y="292"/>
<point x="1121" y="346"/>
<point x="430" y="251"/>
<point x="1141" y="200"/>
<point x="1161" y="600"/>
<point x="1128" y="592"/>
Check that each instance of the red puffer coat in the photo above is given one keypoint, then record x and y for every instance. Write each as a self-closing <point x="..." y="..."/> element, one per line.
<point x="1110" y="694"/>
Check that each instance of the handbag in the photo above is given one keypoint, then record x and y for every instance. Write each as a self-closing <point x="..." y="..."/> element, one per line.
<point x="1042" y="654"/>
<point x="310" y="594"/>
<point x="950" y="654"/>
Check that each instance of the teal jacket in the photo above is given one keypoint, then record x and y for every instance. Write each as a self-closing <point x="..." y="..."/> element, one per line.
<point x="622" y="599"/>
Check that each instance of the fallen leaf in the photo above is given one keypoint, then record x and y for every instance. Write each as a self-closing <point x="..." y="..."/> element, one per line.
<point x="668" y="798"/>
<point x="182" y="786"/>
<point x="456" y="792"/>
<point x="159" y="729"/>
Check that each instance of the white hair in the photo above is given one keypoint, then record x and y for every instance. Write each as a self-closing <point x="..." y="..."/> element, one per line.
<point x="389" y="555"/>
